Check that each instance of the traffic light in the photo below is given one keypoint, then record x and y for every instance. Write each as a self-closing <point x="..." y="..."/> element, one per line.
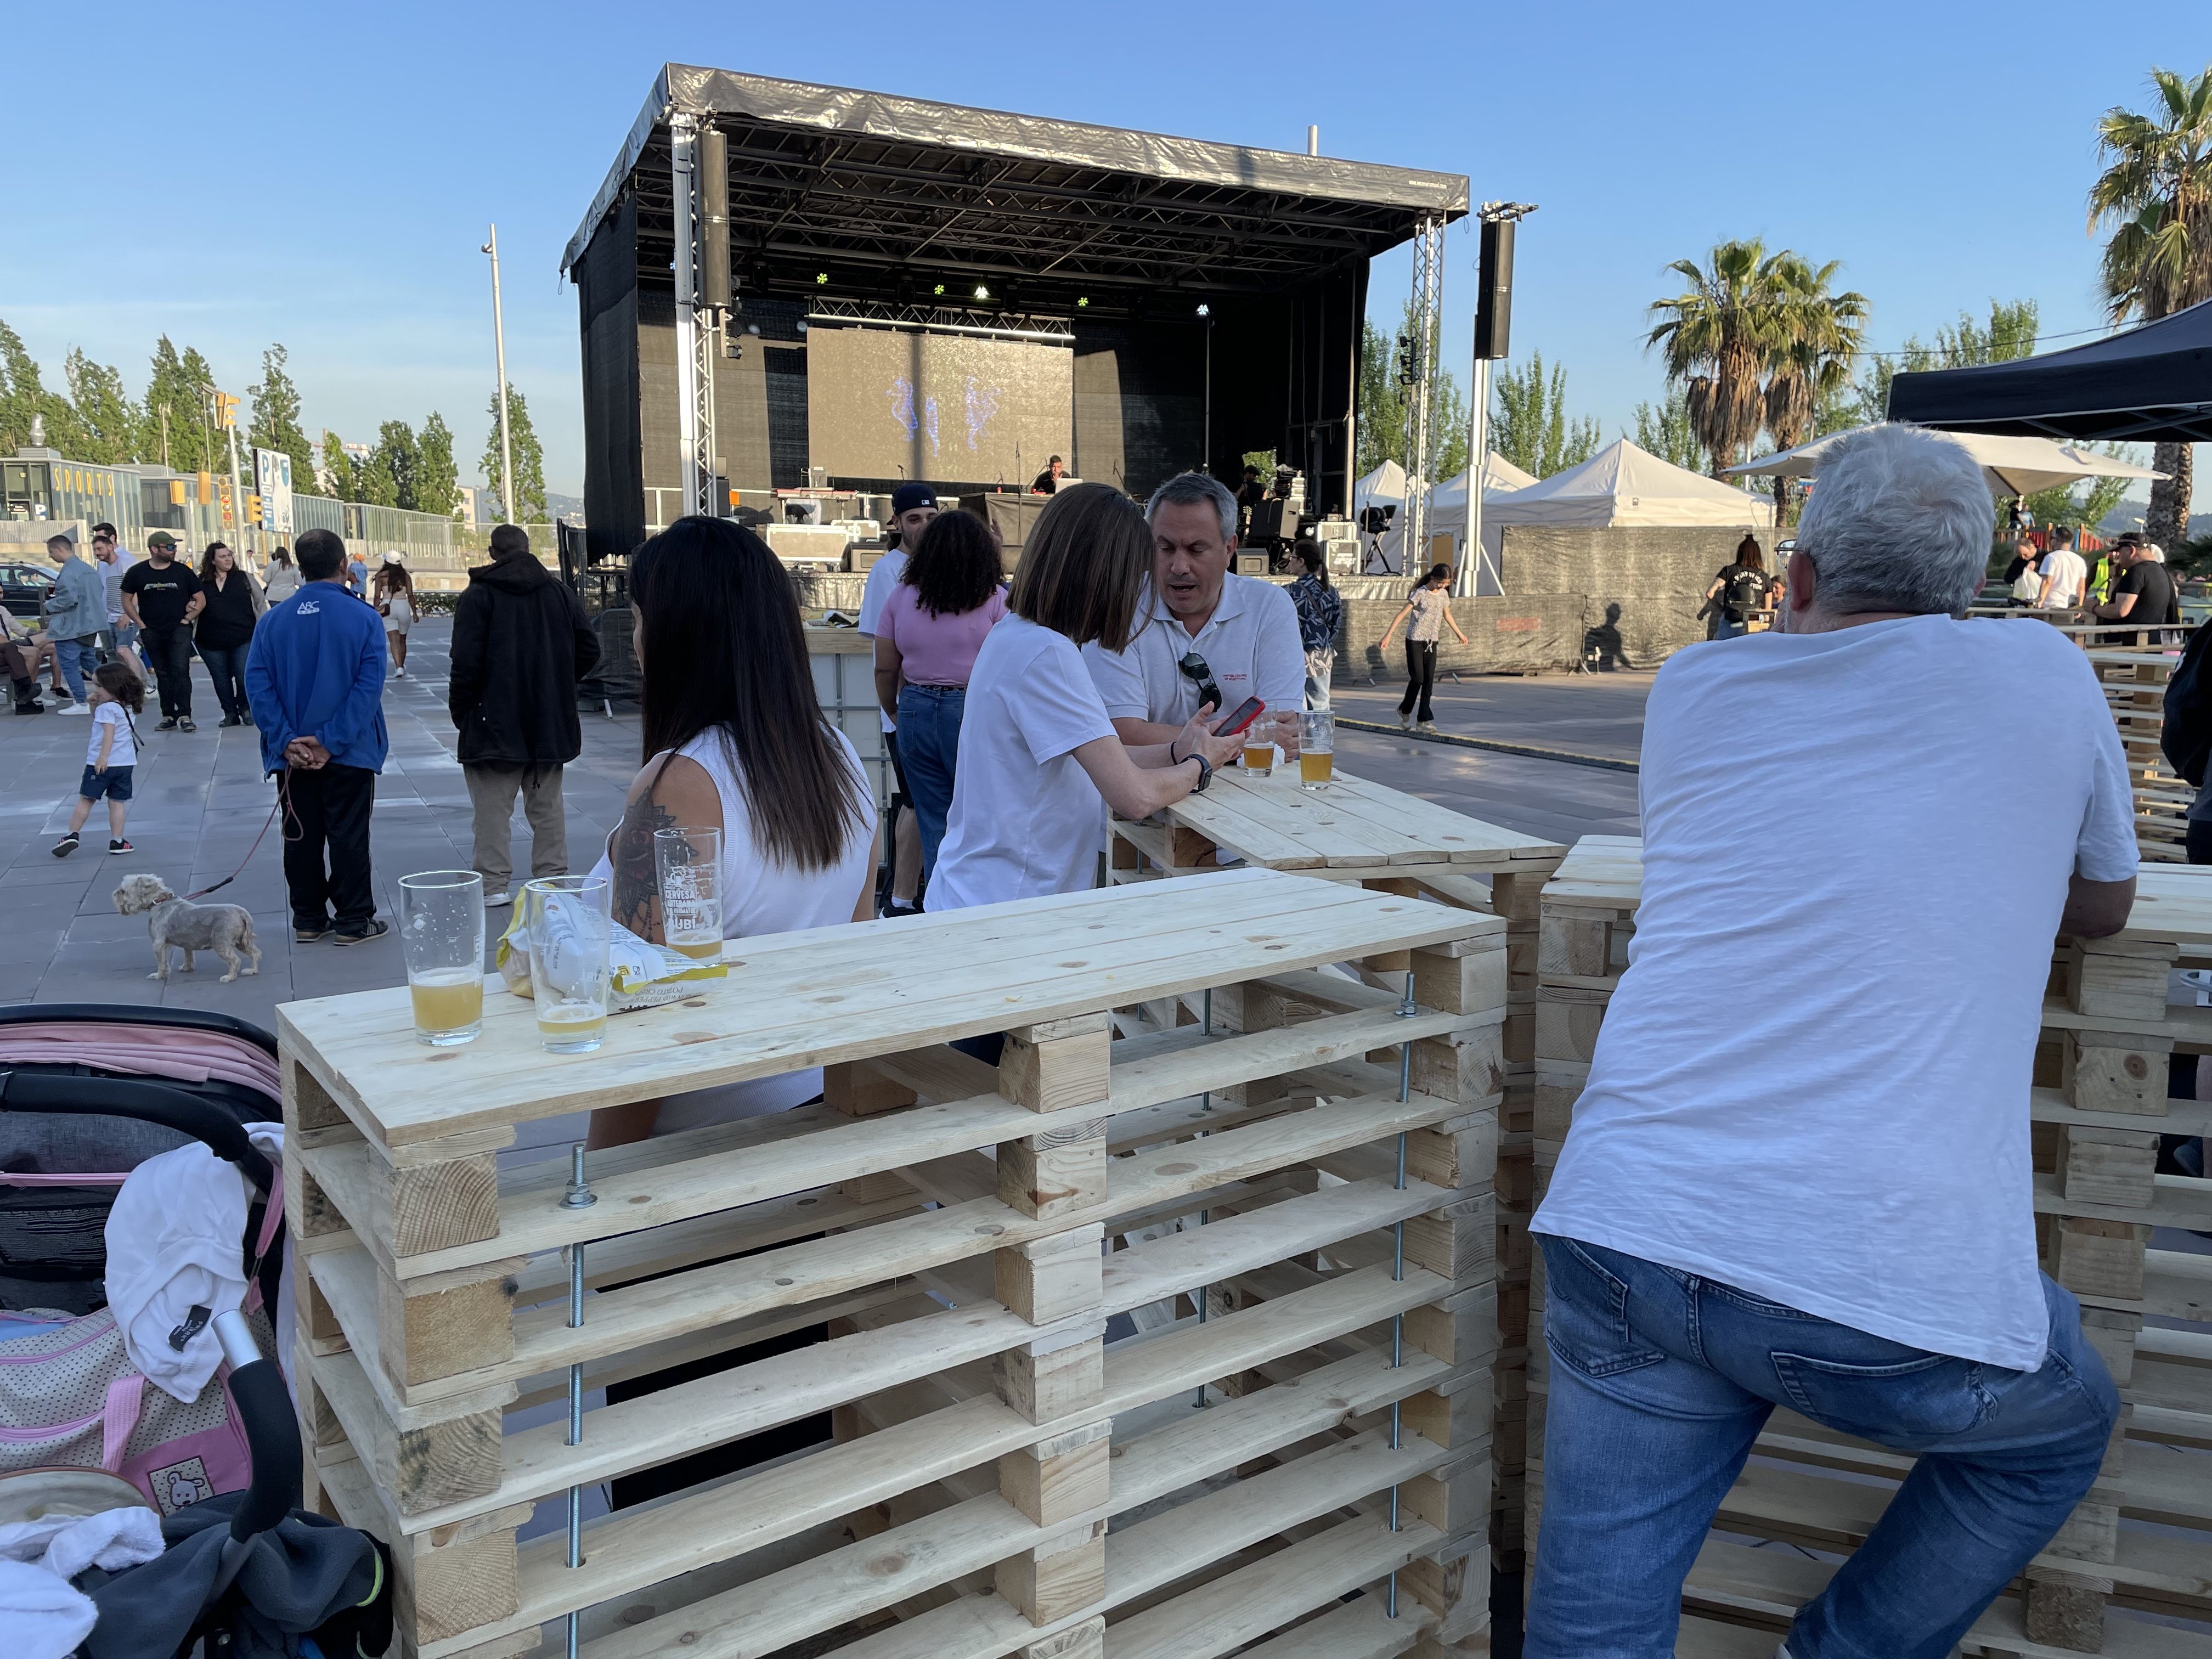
<point x="226" y="410"/>
<point x="254" y="509"/>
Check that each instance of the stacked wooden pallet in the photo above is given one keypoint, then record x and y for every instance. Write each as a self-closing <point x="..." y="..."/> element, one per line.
<point x="1003" y="1479"/>
<point x="2142" y="1540"/>
<point x="1359" y="832"/>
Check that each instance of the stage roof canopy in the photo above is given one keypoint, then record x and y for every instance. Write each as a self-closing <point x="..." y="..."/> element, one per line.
<point x="892" y="196"/>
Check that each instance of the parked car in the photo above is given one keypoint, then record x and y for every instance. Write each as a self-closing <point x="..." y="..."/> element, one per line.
<point x="24" y="588"/>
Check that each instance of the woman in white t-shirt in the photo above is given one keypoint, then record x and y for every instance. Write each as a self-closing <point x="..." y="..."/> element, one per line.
<point x="737" y="742"/>
<point x="1039" y="758"/>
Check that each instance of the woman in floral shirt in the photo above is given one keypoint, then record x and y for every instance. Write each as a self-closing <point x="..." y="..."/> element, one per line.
<point x="1320" y="608"/>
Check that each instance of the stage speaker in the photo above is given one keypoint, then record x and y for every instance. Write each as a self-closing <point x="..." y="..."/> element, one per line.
<point x="713" y="217"/>
<point x="1493" y="315"/>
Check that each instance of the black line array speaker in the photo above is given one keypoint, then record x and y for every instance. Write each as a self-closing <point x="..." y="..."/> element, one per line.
<point x="713" y="217"/>
<point x="1493" y="316"/>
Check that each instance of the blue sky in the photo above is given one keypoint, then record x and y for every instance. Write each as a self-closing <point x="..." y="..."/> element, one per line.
<point x="323" y="175"/>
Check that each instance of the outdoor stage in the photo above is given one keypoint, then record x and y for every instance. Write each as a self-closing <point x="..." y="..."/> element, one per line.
<point x="918" y="290"/>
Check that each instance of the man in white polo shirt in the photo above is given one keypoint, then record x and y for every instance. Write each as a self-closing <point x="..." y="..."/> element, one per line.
<point x="1800" y="1172"/>
<point x="913" y="506"/>
<point x="1203" y="634"/>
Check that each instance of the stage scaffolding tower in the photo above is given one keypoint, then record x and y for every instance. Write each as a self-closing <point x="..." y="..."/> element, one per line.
<point x="695" y="332"/>
<point x="1417" y="374"/>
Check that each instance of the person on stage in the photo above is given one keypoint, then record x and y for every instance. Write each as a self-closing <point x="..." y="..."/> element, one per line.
<point x="1203" y="636"/>
<point x="1047" y="482"/>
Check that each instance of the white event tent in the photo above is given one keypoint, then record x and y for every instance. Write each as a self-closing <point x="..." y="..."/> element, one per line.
<point x="1623" y="485"/>
<point x="1387" y="485"/>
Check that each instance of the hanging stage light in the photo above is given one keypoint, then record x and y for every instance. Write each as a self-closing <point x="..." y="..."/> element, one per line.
<point x="982" y="293"/>
<point x="820" y="277"/>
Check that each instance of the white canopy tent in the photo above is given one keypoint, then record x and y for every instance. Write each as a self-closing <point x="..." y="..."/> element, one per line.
<point x="1388" y="486"/>
<point x="1448" y="513"/>
<point x="1622" y="484"/>
<point x="2012" y="465"/>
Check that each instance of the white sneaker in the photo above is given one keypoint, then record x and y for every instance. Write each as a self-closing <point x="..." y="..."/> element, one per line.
<point x="1405" y="720"/>
<point x="493" y="901"/>
<point x="398" y="673"/>
<point x="74" y="709"/>
<point x="1428" y="726"/>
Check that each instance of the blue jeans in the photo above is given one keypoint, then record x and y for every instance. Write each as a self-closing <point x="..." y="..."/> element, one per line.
<point x="929" y="745"/>
<point x="75" y="659"/>
<point x="1661" y="1380"/>
<point x="226" y="666"/>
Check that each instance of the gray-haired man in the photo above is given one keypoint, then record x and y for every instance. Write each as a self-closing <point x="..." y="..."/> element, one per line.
<point x="1203" y="633"/>
<point x="1825" y="1200"/>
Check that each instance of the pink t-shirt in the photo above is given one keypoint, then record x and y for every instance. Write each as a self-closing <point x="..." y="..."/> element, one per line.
<point x="937" y="650"/>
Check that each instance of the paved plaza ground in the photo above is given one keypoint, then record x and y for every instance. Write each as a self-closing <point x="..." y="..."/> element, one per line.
<point x="201" y="802"/>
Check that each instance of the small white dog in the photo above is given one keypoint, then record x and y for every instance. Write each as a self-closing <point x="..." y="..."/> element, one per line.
<point x="225" y="929"/>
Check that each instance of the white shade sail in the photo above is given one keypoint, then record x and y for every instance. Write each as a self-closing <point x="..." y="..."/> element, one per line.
<point x="2012" y="466"/>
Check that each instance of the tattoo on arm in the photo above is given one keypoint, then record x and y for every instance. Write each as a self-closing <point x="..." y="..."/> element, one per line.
<point x="637" y="883"/>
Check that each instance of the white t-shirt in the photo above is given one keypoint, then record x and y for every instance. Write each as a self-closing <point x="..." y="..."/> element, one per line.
<point x="883" y="576"/>
<point x="1812" y="1082"/>
<point x="2071" y="575"/>
<point x="126" y="751"/>
<point x="1026" y="815"/>
<point x="2027" y="586"/>
<point x="1250" y="642"/>
<point x="760" y="897"/>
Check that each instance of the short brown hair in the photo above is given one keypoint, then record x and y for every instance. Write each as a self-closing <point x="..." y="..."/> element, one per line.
<point x="1084" y="566"/>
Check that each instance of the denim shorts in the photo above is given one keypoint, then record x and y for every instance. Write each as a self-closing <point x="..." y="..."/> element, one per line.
<point x="114" y="783"/>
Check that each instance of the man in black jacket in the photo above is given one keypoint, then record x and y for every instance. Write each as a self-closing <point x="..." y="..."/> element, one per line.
<point x="520" y="644"/>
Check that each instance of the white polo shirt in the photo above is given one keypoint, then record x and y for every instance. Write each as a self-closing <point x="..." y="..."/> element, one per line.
<point x="883" y="576"/>
<point x="1250" y="642"/>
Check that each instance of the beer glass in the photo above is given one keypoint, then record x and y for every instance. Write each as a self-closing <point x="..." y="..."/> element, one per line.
<point x="441" y="934"/>
<point x="1316" y="748"/>
<point x="1260" y="747"/>
<point x="571" y="930"/>
<point x="690" y="865"/>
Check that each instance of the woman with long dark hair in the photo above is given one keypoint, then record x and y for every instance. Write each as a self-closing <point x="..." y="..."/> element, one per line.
<point x="224" y="633"/>
<point x="283" y="581"/>
<point x="1738" y="591"/>
<point x="392" y="589"/>
<point x="1321" y="610"/>
<point x="926" y="639"/>
<point x="1039" y="757"/>
<point x="734" y="741"/>
<point x="1430" y="606"/>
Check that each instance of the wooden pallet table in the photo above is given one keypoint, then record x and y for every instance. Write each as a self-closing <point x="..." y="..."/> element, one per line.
<point x="1002" y="1481"/>
<point x="2142" y="1540"/>
<point x="1359" y="832"/>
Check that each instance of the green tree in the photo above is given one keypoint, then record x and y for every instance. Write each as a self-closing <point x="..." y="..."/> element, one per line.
<point x="1719" y="336"/>
<point x="1818" y="333"/>
<point x="437" y="480"/>
<point x="2156" y="193"/>
<point x="1529" y="423"/>
<point x="529" y="457"/>
<point x="1663" y="430"/>
<point x="1381" y="408"/>
<point x="395" y="466"/>
<point x="21" y="395"/>
<point x="276" y="419"/>
<point x="179" y="385"/>
<point x="108" y="426"/>
<point x="335" y="479"/>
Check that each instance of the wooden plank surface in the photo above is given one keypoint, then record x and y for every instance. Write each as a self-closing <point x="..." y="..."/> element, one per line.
<point x="1604" y="871"/>
<point x="801" y="1000"/>
<point x="1354" y="822"/>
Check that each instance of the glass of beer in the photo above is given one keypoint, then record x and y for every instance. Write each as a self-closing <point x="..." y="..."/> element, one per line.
<point x="571" y="930"/>
<point x="441" y="933"/>
<point x="1259" y="749"/>
<point x="690" y="865"/>
<point x="1316" y="748"/>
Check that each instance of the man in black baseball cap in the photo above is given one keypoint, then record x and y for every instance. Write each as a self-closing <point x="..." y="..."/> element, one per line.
<point x="913" y="506"/>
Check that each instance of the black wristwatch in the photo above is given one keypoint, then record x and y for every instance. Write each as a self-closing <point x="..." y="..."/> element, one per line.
<point x="1205" y="772"/>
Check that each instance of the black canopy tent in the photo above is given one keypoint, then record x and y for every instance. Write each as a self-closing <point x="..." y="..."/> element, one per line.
<point x="861" y="208"/>
<point x="2152" y="384"/>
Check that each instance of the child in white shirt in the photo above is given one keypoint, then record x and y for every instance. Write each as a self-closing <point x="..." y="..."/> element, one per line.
<point x="110" y="756"/>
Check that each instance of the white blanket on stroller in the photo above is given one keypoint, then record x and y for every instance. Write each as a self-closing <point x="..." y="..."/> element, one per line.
<point x="42" y="1616"/>
<point x="175" y="1244"/>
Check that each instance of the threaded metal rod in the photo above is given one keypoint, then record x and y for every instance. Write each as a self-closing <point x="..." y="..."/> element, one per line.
<point x="579" y="1196"/>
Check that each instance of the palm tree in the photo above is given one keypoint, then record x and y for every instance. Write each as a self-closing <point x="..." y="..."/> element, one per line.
<point x="2157" y="190"/>
<point x="1720" y="335"/>
<point x="1819" y="333"/>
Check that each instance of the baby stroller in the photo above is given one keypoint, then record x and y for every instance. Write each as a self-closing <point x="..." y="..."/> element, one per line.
<point x="88" y="1093"/>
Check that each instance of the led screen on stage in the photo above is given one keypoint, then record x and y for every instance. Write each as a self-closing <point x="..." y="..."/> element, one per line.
<point x="897" y="403"/>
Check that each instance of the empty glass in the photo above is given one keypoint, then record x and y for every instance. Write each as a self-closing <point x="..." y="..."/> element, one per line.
<point x="571" y="930"/>
<point x="1316" y="748"/>
<point x="441" y="933"/>
<point x="690" y="865"/>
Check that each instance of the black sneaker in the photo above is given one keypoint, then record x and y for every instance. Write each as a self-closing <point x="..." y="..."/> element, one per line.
<point x="187" y="725"/>
<point x="64" y="847"/>
<point x="310" y="935"/>
<point x="167" y="726"/>
<point x="229" y="720"/>
<point x="117" y="847"/>
<point x="377" y="928"/>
